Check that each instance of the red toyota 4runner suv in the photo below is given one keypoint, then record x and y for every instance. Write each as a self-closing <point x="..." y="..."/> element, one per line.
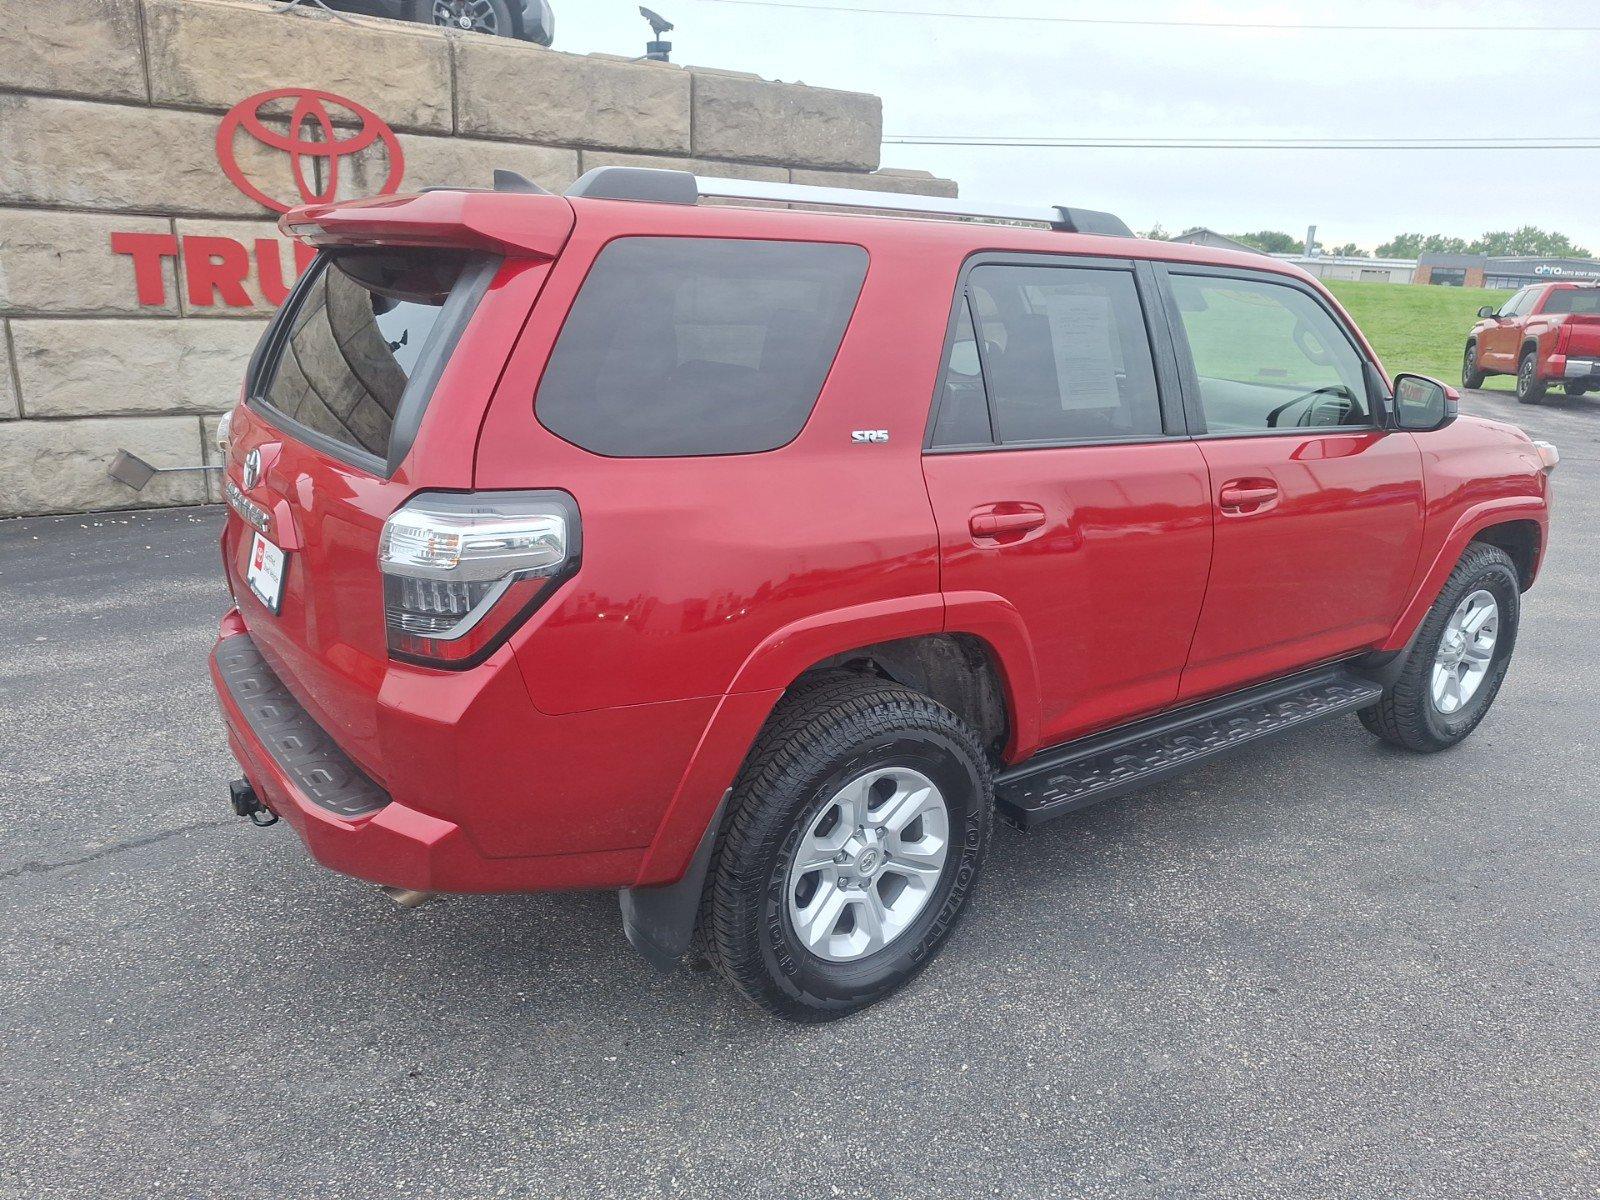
<point x="750" y="560"/>
<point x="1547" y="333"/>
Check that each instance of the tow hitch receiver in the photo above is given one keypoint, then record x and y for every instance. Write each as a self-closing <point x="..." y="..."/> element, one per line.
<point x="247" y="804"/>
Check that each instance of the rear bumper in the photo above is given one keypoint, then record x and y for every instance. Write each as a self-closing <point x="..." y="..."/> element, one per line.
<point x="1581" y="368"/>
<point x="346" y="819"/>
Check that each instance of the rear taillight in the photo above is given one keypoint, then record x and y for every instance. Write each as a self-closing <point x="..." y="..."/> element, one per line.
<point x="1564" y="337"/>
<point x="461" y="572"/>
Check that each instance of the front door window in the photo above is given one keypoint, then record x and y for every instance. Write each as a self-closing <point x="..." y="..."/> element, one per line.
<point x="1268" y="356"/>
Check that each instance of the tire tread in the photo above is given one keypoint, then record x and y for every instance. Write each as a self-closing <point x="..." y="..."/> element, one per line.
<point x="1400" y="718"/>
<point x="813" y="720"/>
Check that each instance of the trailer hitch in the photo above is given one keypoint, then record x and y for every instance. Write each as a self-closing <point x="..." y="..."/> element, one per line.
<point x="247" y="804"/>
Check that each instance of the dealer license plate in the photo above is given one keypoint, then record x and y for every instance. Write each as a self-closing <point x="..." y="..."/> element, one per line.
<point x="264" y="573"/>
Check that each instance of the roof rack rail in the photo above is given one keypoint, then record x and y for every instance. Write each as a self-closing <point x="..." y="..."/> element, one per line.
<point x="504" y="181"/>
<point x="659" y="186"/>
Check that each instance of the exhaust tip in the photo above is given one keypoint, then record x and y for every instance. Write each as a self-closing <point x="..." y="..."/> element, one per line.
<point x="407" y="898"/>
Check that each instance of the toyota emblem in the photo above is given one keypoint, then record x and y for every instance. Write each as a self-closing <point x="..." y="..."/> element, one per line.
<point x="323" y="130"/>
<point x="252" y="469"/>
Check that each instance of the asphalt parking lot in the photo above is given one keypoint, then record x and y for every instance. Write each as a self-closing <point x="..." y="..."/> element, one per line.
<point x="1323" y="968"/>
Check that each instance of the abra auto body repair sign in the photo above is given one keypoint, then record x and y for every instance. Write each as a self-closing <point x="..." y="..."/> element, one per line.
<point x="321" y="134"/>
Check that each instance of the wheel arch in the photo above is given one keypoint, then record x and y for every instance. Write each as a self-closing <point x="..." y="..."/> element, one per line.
<point x="923" y="642"/>
<point x="1522" y="539"/>
<point x="1499" y="522"/>
<point x="961" y="671"/>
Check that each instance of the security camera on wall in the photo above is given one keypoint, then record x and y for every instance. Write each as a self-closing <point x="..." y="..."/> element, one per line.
<point x="656" y="50"/>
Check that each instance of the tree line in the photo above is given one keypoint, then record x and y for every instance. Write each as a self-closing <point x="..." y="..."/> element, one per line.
<point x="1528" y="240"/>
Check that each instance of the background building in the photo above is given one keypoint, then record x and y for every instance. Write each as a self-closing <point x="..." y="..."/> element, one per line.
<point x="1217" y="241"/>
<point x="1481" y="270"/>
<point x="1358" y="270"/>
<point x="1323" y="266"/>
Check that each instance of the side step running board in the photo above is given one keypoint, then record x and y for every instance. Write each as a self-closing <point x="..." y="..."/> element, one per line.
<point x="1097" y="768"/>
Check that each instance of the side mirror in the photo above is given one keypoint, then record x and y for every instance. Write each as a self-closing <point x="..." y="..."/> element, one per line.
<point x="1486" y="311"/>
<point x="1422" y="405"/>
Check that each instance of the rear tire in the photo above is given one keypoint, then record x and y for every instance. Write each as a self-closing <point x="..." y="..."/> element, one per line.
<point x="1530" y="388"/>
<point x="1416" y="712"/>
<point x="1576" y="389"/>
<point x="1471" y="376"/>
<point x="820" y="944"/>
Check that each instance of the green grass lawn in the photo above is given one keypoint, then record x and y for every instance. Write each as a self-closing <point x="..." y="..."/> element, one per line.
<point x="1419" y="328"/>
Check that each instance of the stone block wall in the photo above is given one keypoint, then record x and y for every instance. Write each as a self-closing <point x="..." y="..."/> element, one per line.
<point x="136" y="274"/>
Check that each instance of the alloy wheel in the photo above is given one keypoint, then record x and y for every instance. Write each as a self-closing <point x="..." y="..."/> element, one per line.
<point x="868" y="864"/>
<point x="1465" y="652"/>
<point x="478" y="16"/>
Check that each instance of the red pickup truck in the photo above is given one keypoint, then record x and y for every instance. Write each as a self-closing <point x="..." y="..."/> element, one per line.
<point x="1547" y="333"/>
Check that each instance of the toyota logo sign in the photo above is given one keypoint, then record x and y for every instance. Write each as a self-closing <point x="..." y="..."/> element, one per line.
<point x="316" y="136"/>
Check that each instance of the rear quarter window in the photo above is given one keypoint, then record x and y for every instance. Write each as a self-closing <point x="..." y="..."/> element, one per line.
<point x="698" y="346"/>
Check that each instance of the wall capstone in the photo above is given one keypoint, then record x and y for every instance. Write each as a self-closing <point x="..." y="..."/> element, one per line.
<point x="515" y="91"/>
<point x="745" y="117"/>
<point x="214" y="54"/>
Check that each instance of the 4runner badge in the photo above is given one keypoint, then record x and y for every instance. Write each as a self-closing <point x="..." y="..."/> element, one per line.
<point x="864" y="437"/>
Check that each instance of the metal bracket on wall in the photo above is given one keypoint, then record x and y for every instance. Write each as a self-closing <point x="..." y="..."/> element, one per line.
<point x="132" y="471"/>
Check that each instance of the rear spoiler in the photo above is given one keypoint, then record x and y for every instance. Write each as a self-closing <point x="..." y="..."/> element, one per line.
<point x="515" y="224"/>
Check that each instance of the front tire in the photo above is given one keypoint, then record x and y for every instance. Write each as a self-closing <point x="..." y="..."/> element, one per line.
<point x="1454" y="670"/>
<point x="1530" y="388"/>
<point x="1471" y="376"/>
<point x="858" y="829"/>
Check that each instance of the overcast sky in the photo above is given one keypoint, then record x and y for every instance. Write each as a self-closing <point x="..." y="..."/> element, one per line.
<point x="944" y="76"/>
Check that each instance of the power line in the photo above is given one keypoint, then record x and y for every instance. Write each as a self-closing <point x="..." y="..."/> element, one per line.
<point x="1148" y="23"/>
<point x="1236" y="144"/>
<point x="1143" y="139"/>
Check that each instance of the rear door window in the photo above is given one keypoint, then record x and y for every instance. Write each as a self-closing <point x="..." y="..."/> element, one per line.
<point x="359" y="330"/>
<point x="1065" y="357"/>
<point x="963" y="406"/>
<point x="699" y="346"/>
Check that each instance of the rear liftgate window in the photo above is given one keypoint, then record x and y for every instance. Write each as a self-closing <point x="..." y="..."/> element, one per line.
<point x="695" y="346"/>
<point x="364" y="325"/>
